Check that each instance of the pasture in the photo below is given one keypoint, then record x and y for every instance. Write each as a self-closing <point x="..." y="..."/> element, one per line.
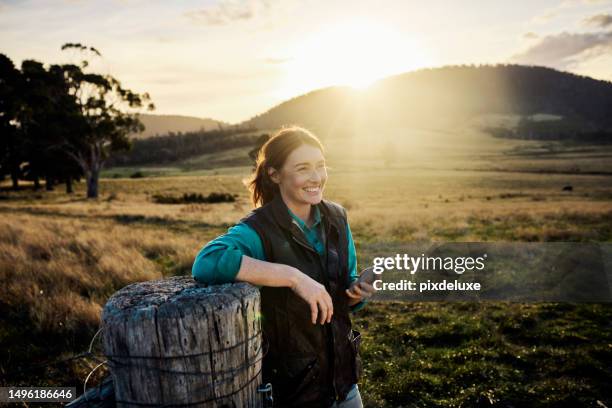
<point x="62" y="256"/>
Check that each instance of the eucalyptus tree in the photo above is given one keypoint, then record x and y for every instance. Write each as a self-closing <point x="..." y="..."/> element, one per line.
<point x="109" y="112"/>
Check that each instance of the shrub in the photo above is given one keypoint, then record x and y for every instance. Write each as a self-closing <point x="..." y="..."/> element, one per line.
<point x="189" y="198"/>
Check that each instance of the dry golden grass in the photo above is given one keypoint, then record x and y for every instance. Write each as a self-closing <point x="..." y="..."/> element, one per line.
<point x="63" y="270"/>
<point x="57" y="273"/>
<point x="62" y="256"/>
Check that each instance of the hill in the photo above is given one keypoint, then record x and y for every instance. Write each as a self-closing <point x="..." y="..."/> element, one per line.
<point x="164" y="124"/>
<point x="437" y="117"/>
<point x="446" y="97"/>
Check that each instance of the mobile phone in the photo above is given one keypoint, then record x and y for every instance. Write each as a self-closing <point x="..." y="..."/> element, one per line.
<point x="367" y="275"/>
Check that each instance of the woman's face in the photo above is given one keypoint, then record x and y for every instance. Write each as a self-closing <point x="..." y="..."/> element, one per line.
<point x="302" y="178"/>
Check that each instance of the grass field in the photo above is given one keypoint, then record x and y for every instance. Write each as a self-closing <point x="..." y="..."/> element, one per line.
<point x="62" y="256"/>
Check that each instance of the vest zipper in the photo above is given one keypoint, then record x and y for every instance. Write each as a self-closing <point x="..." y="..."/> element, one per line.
<point x="330" y="329"/>
<point x="323" y="268"/>
<point x="299" y="241"/>
<point x="326" y="283"/>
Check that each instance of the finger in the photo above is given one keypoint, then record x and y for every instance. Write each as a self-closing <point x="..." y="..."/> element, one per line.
<point x="357" y="290"/>
<point x="330" y="308"/>
<point x="365" y="291"/>
<point x="352" y="295"/>
<point x="323" y="311"/>
<point x="368" y="287"/>
<point x="313" y="312"/>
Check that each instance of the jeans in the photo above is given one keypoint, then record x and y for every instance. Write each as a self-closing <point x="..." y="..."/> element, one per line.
<point x="353" y="399"/>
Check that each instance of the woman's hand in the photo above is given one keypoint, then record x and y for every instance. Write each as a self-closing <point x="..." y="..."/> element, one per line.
<point x="316" y="296"/>
<point x="273" y="274"/>
<point x="359" y="291"/>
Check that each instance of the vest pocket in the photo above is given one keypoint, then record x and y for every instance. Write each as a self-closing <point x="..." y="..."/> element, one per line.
<point x="294" y="376"/>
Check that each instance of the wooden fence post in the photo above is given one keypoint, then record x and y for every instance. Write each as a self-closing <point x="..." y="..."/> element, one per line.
<point x="174" y="342"/>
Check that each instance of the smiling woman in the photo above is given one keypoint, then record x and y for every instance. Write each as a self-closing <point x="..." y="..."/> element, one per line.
<point x="354" y="52"/>
<point x="298" y="249"/>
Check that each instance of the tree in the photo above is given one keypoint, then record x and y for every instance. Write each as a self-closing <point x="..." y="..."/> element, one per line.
<point x="12" y="149"/>
<point x="105" y="126"/>
<point x="48" y="115"/>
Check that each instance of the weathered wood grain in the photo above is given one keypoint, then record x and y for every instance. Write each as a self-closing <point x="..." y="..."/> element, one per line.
<point x="174" y="342"/>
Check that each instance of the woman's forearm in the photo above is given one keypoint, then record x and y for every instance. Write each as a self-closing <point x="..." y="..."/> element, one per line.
<point x="264" y="273"/>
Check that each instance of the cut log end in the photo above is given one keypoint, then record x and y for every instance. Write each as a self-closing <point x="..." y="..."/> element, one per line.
<point x="174" y="341"/>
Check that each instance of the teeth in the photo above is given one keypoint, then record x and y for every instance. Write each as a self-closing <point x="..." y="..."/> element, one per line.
<point x="311" y="189"/>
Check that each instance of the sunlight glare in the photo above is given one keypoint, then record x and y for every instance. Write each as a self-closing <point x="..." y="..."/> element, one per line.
<point x="354" y="53"/>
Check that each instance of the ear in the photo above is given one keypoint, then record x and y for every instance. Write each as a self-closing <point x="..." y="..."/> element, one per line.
<point x="274" y="175"/>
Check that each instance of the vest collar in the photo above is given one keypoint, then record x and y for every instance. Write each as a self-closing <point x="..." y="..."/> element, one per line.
<point x="282" y="215"/>
<point x="297" y="220"/>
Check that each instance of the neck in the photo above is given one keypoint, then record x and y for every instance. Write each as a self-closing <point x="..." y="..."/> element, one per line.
<point x="303" y="211"/>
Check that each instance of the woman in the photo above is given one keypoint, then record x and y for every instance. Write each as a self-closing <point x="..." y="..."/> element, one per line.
<point x="299" y="250"/>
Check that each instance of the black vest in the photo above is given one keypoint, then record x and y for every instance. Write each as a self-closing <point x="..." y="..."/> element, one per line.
<point x="308" y="365"/>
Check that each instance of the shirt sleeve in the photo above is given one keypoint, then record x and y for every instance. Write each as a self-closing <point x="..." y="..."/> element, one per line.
<point x="352" y="265"/>
<point x="219" y="261"/>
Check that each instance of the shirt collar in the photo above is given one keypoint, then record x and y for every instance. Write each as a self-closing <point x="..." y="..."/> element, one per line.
<point x="302" y="224"/>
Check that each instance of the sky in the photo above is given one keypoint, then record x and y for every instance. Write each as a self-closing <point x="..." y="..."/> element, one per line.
<point x="231" y="60"/>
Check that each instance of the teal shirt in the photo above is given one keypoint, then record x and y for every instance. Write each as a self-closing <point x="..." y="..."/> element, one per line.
<point x="219" y="261"/>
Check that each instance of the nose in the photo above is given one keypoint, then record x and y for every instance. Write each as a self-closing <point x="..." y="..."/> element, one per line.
<point x="315" y="176"/>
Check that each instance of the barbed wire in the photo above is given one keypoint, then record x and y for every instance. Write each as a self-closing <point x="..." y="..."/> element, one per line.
<point x="79" y="356"/>
<point x="227" y="375"/>
<point x="113" y="361"/>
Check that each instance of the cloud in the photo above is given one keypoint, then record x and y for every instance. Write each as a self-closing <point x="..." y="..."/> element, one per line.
<point x="564" y="8"/>
<point x="228" y="11"/>
<point x="530" y="35"/>
<point x="599" y="20"/>
<point x="578" y="3"/>
<point x="544" y="18"/>
<point x="272" y="60"/>
<point x="565" y="50"/>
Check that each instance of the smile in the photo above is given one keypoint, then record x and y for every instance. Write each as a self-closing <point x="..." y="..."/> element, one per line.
<point x="311" y="189"/>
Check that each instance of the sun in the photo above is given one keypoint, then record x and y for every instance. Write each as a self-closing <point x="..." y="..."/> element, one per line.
<point x="354" y="52"/>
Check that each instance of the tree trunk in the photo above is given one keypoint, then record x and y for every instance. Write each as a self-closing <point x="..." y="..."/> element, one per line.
<point x="95" y="164"/>
<point x="15" y="179"/>
<point x="92" y="183"/>
<point x="48" y="183"/>
<point x="69" y="189"/>
<point x="173" y="342"/>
